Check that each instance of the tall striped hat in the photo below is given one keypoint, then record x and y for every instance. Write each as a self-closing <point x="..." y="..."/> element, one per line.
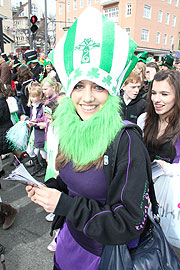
<point x="94" y="49"/>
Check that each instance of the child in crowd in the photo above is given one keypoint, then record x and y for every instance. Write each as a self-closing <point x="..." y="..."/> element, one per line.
<point x="12" y="104"/>
<point x="48" y="70"/>
<point x="132" y="103"/>
<point x="36" y="141"/>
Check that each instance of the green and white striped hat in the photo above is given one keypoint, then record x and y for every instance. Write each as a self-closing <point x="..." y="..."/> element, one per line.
<point x="94" y="49"/>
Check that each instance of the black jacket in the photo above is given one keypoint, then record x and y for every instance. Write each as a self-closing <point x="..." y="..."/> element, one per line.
<point x="5" y="124"/>
<point x="123" y="217"/>
<point x="136" y="107"/>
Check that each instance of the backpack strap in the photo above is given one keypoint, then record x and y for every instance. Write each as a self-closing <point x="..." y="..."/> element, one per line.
<point x="115" y="146"/>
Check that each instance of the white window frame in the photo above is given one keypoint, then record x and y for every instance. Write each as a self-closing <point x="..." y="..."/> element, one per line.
<point x="169" y="1"/>
<point x="68" y="22"/>
<point x="81" y="3"/>
<point x="74" y="4"/>
<point x="68" y="7"/>
<point x="128" y="30"/>
<point x="1" y="3"/>
<point x="176" y="3"/>
<point x="128" y="9"/>
<point x="171" y="40"/>
<point x="160" y="15"/>
<point x="174" y="21"/>
<point x="167" y="18"/>
<point x="165" y="39"/>
<point x="158" y="37"/>
<point x="145" y="35"/>
<point x="88" y="2"/>
<point x="96" y="1"/>
<point x="60" y="10"/>
<point x="147" y="11"/>
<point x="111" y="12"/>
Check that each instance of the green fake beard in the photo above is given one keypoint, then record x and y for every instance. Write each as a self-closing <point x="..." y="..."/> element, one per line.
<point x="85" y="141"/>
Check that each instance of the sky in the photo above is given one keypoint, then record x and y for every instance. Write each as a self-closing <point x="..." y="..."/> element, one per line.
<point x="51" y="5"/>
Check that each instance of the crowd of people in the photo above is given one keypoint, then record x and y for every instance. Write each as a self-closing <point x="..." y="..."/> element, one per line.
<point x="75" y="104"/>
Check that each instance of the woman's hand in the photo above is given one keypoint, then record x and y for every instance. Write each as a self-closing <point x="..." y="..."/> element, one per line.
<point x="162" y="163"/>
<point x="45" y="197"/>
<point x="41" y="125"/>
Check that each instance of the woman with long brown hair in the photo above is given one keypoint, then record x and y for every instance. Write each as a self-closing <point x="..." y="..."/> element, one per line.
<point x="162" y="138"/>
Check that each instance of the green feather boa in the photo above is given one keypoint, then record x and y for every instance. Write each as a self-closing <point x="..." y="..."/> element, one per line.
<point x="86" y="141"/>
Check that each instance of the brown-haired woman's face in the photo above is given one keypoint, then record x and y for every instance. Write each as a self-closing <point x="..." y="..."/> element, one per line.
<point x="163" y="97"/>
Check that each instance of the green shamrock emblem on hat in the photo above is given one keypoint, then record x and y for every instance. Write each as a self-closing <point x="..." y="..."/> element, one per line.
<point x="93" y="73"/>
<point x="107" y="80"/>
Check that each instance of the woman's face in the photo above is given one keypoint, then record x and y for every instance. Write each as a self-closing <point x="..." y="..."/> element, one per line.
<point x="48" y="90"/>
<point x="150" y="72"/>
<point x="88" y="98"/>
<point x="163" y="97"/>
<point x="48" y="68"/>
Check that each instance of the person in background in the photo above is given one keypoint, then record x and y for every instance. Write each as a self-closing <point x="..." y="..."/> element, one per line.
<point x="167" y="62"/>
<point x="132" y="102"/>
<point x="48" y="70"/>
<point x="151" y="69"/>
<point x="161" y="127"/>
<point x="5" y="71"/>
<point x="24" y="77"/>
<point x="33" y="63"/>
<point x="93" y="207"/>
<point x="36" y="141"/>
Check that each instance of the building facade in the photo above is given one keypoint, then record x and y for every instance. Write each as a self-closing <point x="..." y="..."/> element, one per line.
<point x="6" y="25"/>
<point x="153" y="24"/>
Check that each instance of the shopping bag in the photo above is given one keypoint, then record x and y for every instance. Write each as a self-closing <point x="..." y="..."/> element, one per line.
<point x="167" y="190"/>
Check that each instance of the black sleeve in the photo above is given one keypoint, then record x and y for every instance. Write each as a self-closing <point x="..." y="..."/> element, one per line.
<point x="57" y="184"/>
<point x="124" y="215"/>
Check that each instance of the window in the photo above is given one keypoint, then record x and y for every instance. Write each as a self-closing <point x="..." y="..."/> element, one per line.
<point x="160" y="16"/>
<point x="60" y="26"/>
<point x="128" y="9"/>
<point x="81" y="3"/>
<point x="147" y="12"/>
<point x="171" y="40"/>
<point x="68" y="7"/>
<point x="75" y="4"/>
<point x="68" y="22"/>
<point x="169" y="1"/>
<point x="176" y="3"/>
<point x="128" y="30"/>
<point x="75" y="18"/>
<point x="145" y="35"/>
<point x="111" y="12"/>
<point x="158" y="37"/>
<point x="165" y="39"/>
<point x="88" y="2"/>
<point x="60" y="10"/>
<point x="96" y="1"/>
<point x="167" y="18"/>
<point x="1" y="3"/>
<point x="174" y="21"/>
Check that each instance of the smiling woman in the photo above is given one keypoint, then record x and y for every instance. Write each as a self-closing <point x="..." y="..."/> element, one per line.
<point x="91" y="206"/>
<point x="162" y="138"/>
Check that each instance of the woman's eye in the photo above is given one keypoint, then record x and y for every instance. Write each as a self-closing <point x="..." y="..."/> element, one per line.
<point x="98" y="87"/>
<point x="78" y="86"/>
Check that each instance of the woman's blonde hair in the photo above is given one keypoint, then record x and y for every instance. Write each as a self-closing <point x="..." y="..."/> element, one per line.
<point x="142" y="67"/>
<point x="53" y="82"/>
<point x="35" y="90"/>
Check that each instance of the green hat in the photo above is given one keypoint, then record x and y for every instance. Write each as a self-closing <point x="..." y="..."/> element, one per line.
<point x="33" y="61"/>
<point x="93" y="50"/>
<point x="47" y="62"/>
<point x="168" y="61"/>
<point x="142" y="57"/>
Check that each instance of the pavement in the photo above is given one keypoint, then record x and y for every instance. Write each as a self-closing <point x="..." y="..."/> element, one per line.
<point x="27" y="240"/>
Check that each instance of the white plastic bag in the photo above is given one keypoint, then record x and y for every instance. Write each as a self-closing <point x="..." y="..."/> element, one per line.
<point x="167" y="189"/>
<point x="18" y="136"/>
